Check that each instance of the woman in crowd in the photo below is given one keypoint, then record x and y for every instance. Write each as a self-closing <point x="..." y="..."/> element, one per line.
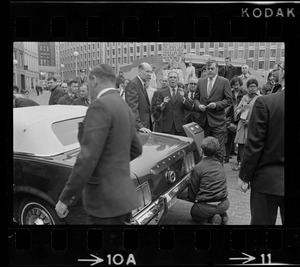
<point x="243" y="112"/>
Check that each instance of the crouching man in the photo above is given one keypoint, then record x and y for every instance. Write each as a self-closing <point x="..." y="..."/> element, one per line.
<point x="207" y="188"/>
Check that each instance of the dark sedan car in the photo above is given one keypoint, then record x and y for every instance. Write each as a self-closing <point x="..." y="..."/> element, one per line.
<point x="45" y="150"/>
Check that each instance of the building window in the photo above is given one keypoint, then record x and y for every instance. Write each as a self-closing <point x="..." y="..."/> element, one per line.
<point x="137" y="57"/>
<point x="113" y="52"/>
<point x="230" y="54"/>
<point x="262" y="53"/>
<point x="145" y="48"/>
<point x="272" y="52"/>
<point x="201" y="45"/>
<point x="160" y="47"/>
<point x="152" y="48"/>
<point x="272" y="63"/>
<point x="193" y="45"/>
<point x="138" y="49"/>
<point x="108" y="52"/>
<point x="261" y="65"/>
<point x="282" y="52"/>
<point x="251" y="54"/>
<point x="211" y="53"/>
<point x="131" y="59"/>
<point x="125" y="59"/>
<point x="131" y="50"/>
<point x="262" y="44"/>
<point x="251" y="44"/>
<point x="221" y="44"/>
<point x="119" y="60"/>
<point x="201" y="53"/>
<point x="241" y="44"/>
<point x="125" y="50"/>
<point x="119" y="51"/>
<point x="144" y="55"/>
<point x="241" y="54"/>
<point x="211" y="45"/>
<point x="221" y="53"/>
<point x="230" y="45"/>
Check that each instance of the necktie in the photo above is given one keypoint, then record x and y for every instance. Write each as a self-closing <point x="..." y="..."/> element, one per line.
<point x="209" y="86"/>
<point x="145" y="92"/>
<point x="173" y="93"/>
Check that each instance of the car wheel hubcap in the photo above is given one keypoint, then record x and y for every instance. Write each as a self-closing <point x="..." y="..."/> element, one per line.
<point x="37" y="216"/>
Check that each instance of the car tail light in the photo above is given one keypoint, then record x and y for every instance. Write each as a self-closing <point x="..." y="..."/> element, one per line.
<point x="144" y="194"/>
<point x="189" y="162"/>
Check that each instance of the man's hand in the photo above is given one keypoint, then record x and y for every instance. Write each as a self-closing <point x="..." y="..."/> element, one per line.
<point x="202" y="107"/>
<point x="61" y="209"/>
<point x="211" y="105"/>
<point x="144" y="130"/>
<point x="243" y="186"/>
<point x="167" y="99"/>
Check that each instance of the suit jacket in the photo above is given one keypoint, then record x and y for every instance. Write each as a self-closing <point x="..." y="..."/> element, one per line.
<point x="139" y="103"/>
<point x="191" y="115"/>
<point x="172" y="112"/>
<point x="80" y="101"/>
<point x="263" y="159"/>
<point x="66" y="100"/>
<point x="108" y="140"/>
<point x="56" y="94"/>
<point x="81" y="81"/>
<point x="228" y="72"/>
<point x="220" y="94"/>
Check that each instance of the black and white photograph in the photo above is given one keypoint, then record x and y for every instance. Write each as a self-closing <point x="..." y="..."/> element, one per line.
<point x="148" y="133"/>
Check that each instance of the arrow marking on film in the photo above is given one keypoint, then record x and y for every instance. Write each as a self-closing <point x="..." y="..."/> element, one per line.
<point x="250" y="258"/>
<point x="96" y="260"/>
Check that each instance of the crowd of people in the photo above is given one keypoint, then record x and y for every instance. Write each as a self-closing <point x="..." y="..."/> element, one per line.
<point x="222" y="103"/>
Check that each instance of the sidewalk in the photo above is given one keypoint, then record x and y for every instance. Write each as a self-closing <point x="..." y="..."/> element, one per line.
<point x="42" y="99"/>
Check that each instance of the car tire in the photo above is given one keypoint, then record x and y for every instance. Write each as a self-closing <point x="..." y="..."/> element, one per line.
<point x="35" y="211"/>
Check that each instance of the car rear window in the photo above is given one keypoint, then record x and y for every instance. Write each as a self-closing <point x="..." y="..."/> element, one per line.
<point x="66" y="131"/>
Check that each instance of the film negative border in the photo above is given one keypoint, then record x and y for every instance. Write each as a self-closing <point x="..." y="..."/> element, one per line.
<point x="77" y="21"/>
<point x="176" y="245"/>
<point x="53" y="247"/>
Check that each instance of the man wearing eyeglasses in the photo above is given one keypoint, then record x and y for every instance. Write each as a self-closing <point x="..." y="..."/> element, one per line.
<point x="245" y="77"/>
<point x="212" y="96"/>
<point x="191" y="115"/>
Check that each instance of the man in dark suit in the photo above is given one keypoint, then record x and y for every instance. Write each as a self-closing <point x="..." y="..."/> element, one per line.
<point x="137" y="98"/>
<point x="56" y="91"/>
<point x="71" y="95"/>
<point x="228" y="71"/>
<point x="213" y="95"/>
<point x="263" y="159"/>
<point x="109" y="141"/>
<point x="170" y="104"/>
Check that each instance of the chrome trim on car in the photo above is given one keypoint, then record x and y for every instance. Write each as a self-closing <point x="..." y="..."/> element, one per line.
<point x="163" y="203"/>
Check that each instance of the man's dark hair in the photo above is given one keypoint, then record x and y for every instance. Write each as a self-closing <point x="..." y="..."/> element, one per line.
<point x="51" y="78"/>
<point x="236" y="79"/>
<point x="228" y="58"/>
<point x="210" y="145"/>
<point x="71" y="81"/>
<point x="211" y="61"/>
<point x="104" y="72"/>
<point x="251" y="81"/>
